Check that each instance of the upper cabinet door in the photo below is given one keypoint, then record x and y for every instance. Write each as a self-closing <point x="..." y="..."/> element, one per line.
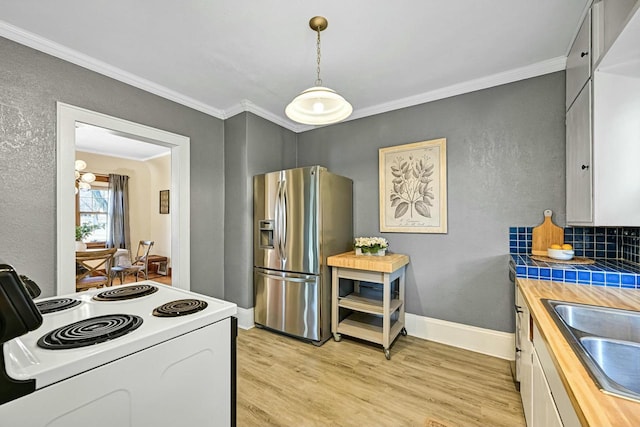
<point x="579" y="61"/>
<point x="579" y="160"/>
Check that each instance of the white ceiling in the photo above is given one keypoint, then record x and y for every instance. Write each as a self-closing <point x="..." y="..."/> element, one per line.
<point x="97" y="140"/>
<point x="227" y="56"/>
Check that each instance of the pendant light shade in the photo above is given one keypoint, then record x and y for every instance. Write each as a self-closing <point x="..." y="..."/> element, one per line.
<point x="318" y="105"/>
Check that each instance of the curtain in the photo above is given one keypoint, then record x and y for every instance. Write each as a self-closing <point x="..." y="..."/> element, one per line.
<point x="118" y="235"/>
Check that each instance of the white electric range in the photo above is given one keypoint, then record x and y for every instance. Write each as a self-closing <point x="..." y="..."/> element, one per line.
<point x="147" y="366"/>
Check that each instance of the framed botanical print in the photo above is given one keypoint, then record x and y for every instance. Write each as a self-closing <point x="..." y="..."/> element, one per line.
<point x="413" y="187"/>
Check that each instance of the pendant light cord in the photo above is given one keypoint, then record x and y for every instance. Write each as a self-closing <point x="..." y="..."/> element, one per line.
<point x="318" y="79"/>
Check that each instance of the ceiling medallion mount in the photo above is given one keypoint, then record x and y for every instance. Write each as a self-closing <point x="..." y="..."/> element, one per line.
<point x="318" y="105"/>
<point x="318" y="23"/>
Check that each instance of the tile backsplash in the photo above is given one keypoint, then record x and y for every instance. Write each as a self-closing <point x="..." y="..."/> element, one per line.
<point x="631" y="245"/>
<point x="616" y="251"/>
<point x="590" y="242"/>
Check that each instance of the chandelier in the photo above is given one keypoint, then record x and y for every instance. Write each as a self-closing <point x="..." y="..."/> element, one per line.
<point x="318" y="105"/>
<point x="83" y="180"/>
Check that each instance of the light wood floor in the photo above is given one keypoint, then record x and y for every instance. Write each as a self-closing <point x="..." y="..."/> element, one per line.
<point x="286" y="382"/>
<point x="152" y="276"/>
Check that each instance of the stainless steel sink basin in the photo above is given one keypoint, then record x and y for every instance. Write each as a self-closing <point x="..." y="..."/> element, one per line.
<point x="601" y="321"/>
<point x="619" y="360"/>
<point x="607" y="342"/>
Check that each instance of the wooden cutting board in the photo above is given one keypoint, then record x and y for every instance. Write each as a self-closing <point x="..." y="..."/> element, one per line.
<point x="545" y="235"/>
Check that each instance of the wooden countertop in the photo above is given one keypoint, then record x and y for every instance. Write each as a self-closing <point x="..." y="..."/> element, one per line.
<point x="593" y="407"/>
<point x="384" y="264"/>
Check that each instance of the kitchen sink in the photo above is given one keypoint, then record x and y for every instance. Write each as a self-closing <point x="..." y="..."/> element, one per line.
<point x="601" y="321"/>
<point x="619" y="360"/>
<point x="607" y="342"/>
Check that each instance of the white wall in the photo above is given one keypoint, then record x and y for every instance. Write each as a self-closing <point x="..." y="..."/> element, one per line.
<point x="146" y="179"/>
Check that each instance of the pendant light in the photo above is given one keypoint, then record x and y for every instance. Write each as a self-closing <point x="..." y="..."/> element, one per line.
<point x="318" y="105"/>
<point x="83" y="179"/>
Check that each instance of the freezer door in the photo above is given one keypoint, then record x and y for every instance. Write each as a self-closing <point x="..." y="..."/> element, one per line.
<point x="288" y="302"/>
<point x="286" y="220"/>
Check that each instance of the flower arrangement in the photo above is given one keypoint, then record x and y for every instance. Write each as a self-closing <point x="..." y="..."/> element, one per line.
<point x="371" y="245"/>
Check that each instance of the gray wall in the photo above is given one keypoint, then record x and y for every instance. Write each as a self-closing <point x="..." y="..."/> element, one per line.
<point x="253" y="146"/>
<point x="505" y="165"/>
<point x="30" y="84"/>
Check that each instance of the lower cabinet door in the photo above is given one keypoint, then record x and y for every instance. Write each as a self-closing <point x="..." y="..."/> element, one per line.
<point x="526" y="383"/>
<point x="545" y="413"/>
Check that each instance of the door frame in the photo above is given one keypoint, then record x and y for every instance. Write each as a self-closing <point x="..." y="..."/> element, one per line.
<point x="67" y="116"/>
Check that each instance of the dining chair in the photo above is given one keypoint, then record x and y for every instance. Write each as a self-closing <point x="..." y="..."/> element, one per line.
<point x="139" y="264"/>
<point x="93" y="268"/>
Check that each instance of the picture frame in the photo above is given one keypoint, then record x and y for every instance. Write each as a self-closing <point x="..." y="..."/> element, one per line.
<point x="164" y="201"/>
<point x="413" y="187"/>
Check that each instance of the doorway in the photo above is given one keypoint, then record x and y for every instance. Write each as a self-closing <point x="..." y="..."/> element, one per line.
<point x="67" y="118"/>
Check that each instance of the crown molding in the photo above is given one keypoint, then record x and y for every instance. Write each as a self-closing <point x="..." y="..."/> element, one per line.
<point x="47" y="46"/>
<point x="247" y="106"/>
<point x="534" y="70"/>
<point x="44" y="45"/>
<point x="234" y="110"/>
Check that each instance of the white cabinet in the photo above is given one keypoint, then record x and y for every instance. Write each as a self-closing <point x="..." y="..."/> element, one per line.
<point x="545" y="413"/>
<point x="608" y="18"/>
<point x="613" y="18"/>
<point x="525" y="346"/>
<point x="579" y="159"/>
<point x="544" y="398"/>
<point x="552" y="400"/>
<point x="602" y="134"/>
<point x="579" y="62"/>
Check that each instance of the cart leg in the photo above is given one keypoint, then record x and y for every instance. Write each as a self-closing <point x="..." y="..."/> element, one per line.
<point x="403" y="331"/>
<point x="387" y="354"/>
<point x="337" y="337"/>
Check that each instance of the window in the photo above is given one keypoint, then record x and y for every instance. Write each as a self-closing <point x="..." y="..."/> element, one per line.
<point x="92" y="208"/>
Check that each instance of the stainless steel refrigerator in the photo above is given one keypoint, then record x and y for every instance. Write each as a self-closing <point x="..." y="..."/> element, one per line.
<point x="301" y="216"/>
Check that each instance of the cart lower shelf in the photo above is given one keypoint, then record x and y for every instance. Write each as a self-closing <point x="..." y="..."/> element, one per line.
<point x="368" y="327"/>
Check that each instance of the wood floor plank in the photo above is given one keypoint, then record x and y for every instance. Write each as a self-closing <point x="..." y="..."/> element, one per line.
<point x="286" y="382"/>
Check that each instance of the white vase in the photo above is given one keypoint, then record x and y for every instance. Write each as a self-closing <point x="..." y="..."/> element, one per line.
<point x="381" y="252"/>
<point x="81" y="246"/>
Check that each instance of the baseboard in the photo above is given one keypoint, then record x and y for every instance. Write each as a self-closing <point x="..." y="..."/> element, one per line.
<point x="245" y="318"/>
<point x="485" y="341"/>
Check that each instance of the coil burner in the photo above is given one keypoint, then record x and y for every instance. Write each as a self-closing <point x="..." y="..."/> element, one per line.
<point x="56" y="304"/>
<point x="90" y="331"/>
<point x="125" y="293"/>
<point x="181" y="307"/>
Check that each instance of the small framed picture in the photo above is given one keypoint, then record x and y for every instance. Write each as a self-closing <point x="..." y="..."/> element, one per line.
<point x="164" y="201"/>
<point x="413" y="187"/>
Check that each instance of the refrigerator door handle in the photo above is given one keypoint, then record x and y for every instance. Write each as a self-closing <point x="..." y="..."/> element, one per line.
<point x="283" y="230"/>
<point x="278" y="213"/>
<point x="287" y="279"/>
